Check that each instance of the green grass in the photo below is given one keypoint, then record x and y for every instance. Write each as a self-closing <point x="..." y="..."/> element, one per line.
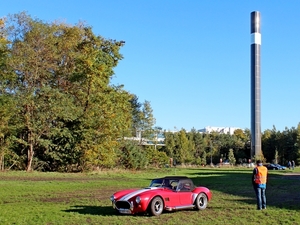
<point x="57" y="198"/>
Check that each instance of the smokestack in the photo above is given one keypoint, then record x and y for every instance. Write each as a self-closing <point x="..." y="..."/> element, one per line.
<point x="255" y="85"/>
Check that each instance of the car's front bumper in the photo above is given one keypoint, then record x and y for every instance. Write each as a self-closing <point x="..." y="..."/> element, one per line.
<point x="123" y="207"/>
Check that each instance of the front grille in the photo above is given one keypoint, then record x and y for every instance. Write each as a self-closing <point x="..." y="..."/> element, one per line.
<point x="122" y="205"/>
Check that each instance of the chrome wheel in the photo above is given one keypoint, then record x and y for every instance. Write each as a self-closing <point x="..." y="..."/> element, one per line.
<point x="201" y="201"/>
<point x="156" y="206"/>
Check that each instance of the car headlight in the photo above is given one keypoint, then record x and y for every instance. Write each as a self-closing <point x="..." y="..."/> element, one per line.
<point x="138" y="199"/>
<point x="112" y="198"/>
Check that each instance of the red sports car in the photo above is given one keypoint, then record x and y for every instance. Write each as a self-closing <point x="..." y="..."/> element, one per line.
<point x="167" y="193"/>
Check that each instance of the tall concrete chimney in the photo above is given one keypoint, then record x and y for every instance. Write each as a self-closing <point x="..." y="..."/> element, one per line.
<point x="255" y="85"/>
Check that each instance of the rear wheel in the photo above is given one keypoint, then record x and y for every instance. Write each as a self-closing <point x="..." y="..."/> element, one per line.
<point x="201" y="201"/>
<point x="156" y="206"/>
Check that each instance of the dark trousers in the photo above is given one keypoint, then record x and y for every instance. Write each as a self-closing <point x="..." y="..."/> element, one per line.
<point x="260" y="197"/>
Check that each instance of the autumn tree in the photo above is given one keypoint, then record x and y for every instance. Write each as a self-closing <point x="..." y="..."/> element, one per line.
<point x="59" y="76"/>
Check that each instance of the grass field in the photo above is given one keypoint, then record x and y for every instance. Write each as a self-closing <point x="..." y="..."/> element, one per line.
<point x="57" y="198"/>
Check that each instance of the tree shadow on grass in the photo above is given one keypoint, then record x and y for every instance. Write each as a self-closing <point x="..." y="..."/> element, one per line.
<point x="91" y="210"/>
<point x="282" y="188"/>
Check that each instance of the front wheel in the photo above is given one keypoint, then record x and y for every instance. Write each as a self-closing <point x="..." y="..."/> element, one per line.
<point x="201" y="201"/>
<point x="156" y="206"/>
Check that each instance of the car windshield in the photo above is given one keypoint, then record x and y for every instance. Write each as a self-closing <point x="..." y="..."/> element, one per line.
<point x="168" y="183"/>
<point x="156" y="183"/>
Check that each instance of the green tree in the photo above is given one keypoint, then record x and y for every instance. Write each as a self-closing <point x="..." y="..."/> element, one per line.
<point x="297" y="145"/>
<point x="203" y="158"/>
<point x="190" y="153"/>
<point x="182" y="147"/>
<point x="199" y="144"/>
<point x="231" y="157"/>
<point x="147" y="120"/>
<point x="132" y="156"/>
<point x="6" y="130"/>
<point x="136" y="115"/>
<point x="155" y="157"/>
<point x="170" y="144"/>
<point x="269" y="146"/>
<point x="5" y="100"/>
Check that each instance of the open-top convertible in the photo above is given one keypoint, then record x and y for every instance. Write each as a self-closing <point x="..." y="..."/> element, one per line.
<point x="168" y="193"/>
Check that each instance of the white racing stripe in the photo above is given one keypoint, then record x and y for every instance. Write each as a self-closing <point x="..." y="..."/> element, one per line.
<point x="132" y="194"/>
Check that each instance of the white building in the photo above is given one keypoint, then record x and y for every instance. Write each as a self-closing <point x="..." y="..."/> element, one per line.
<point x="220" y="130"/>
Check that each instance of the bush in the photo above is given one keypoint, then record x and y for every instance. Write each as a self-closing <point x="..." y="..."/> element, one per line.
<point x="156" y="158"/>
<point x="132" y="156"/>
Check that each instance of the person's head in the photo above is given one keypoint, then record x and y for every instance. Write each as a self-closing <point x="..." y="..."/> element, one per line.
<point x="259" y="163"/>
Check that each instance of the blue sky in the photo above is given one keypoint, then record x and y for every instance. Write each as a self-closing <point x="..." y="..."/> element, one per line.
<point x="191" y="59"/>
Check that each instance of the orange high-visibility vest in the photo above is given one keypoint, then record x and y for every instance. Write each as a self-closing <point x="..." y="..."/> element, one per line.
<point x="261" y="175"/>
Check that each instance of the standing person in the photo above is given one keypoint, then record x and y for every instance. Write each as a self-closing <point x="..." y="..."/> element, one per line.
<point x="259" y="182"/>
<point x="293" y="164"/>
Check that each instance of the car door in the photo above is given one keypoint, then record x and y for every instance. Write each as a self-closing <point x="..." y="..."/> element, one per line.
<point x="185" y="193"/>
<point x="171" y="198"/>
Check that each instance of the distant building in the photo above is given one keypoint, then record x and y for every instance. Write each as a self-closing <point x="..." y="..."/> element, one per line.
<point x="157" y="139"/>
<point x="220" y="130"/>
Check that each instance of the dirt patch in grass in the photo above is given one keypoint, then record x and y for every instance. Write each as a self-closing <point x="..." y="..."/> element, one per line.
<point x="99" y="194"/>
<point x="68" y="178"/>
<point x="90" y="195"/>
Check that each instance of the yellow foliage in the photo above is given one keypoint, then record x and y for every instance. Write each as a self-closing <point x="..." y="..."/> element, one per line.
<point x="2" y="23"/>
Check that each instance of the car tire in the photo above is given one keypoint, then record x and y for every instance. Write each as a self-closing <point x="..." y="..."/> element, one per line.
<point x="201" y="201"/>
<point x="156" y="206"/>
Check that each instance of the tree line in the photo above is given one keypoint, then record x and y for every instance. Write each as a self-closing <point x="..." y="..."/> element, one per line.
<point x="59" y="111"/>
<point x="214" y="148"/>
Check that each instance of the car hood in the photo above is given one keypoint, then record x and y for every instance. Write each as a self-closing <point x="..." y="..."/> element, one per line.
<point x="125" y="195"/>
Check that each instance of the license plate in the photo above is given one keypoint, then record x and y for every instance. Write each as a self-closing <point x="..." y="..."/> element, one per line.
<point x="125" y="211"/>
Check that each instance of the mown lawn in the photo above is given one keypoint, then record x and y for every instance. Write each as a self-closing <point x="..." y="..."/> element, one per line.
<point x="54" y="198"/>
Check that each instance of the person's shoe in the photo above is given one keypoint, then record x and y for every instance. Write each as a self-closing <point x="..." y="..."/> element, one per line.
<point x="264" y="208"/>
